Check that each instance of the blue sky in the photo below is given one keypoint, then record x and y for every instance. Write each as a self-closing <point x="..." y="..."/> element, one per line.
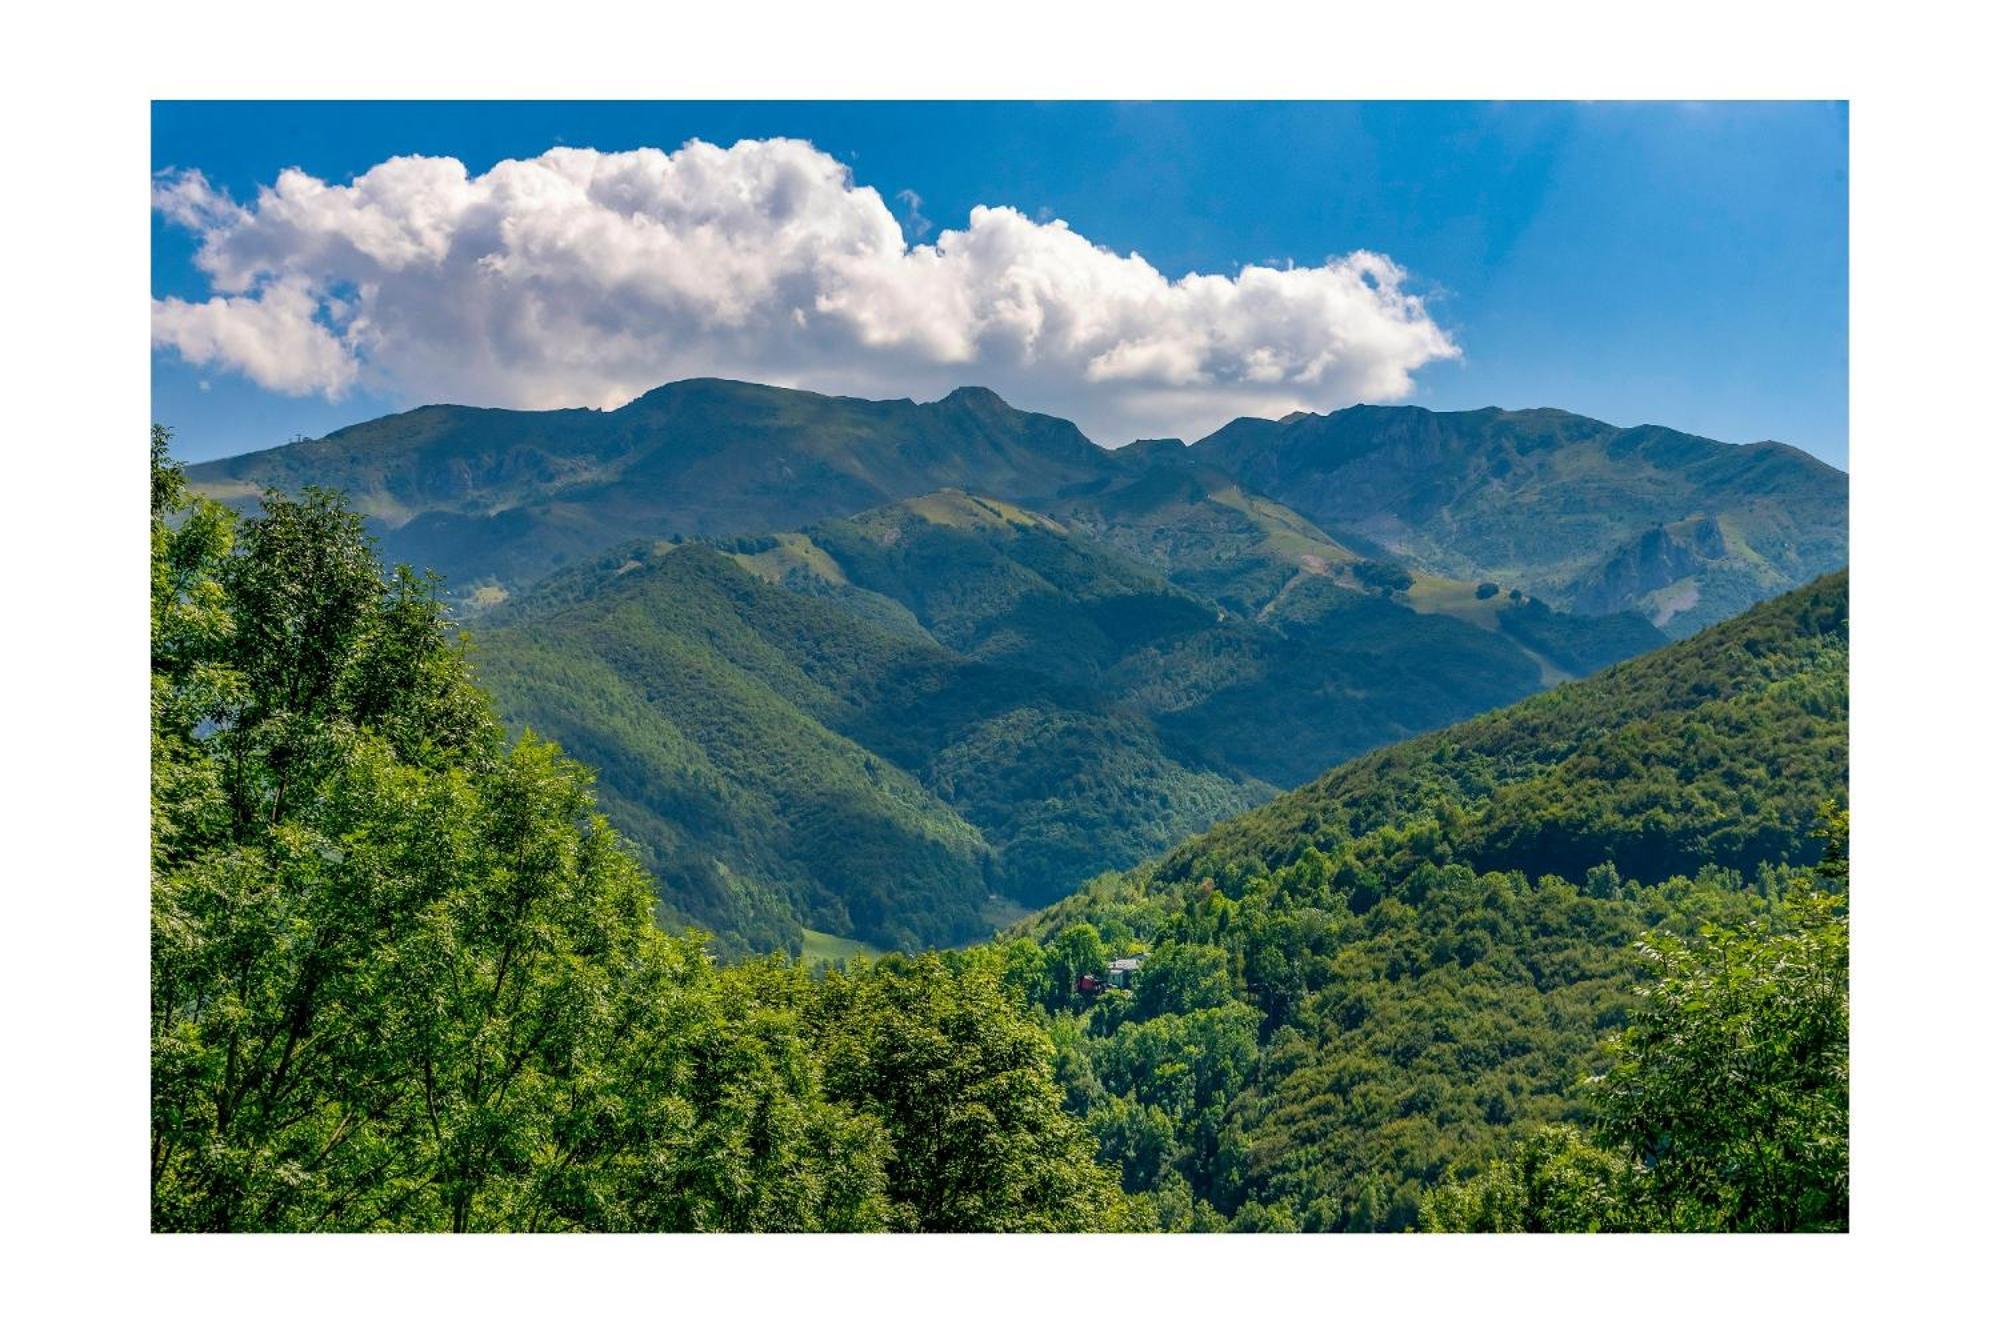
<point x="1670" y="263"/>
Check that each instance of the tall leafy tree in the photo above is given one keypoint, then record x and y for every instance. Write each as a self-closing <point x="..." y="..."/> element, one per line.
<point x="1078" y="951"/>
<point x="1556" y="1180"/>
<point x="959" y="1076"/>
<point x="1730" y="1083"/>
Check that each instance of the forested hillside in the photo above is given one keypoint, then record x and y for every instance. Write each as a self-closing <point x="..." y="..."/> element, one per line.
<point x="1375" y="985"/>
<point x="785" y="763"/>
<point x="909" y="725"/>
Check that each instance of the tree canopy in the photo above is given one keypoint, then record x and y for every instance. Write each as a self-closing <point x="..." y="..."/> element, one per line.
<point x="1725" y="1104"/>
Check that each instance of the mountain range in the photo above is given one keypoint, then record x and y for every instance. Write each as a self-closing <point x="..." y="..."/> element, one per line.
<point x="1583" y="515"/>
<point x="500" y="498"/>
<point x="896" y="672"/>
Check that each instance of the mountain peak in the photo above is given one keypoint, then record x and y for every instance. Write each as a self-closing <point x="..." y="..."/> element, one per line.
<point x="710" y="386"/>
<point x="976" y="396"/>
<point x="1167" y="452"/>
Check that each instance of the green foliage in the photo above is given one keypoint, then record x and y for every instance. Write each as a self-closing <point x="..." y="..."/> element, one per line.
<point x="1383" y="576"/>
<point x="190" y="623"/>
<point x="938" y="1051"/>
<point x="1554" y="1181"/>
<point x="783" y="763"/>
<point x="1577" y="644"/>
<point x="1074" y="953"/>
<point x="1729" y="1085"/>
<point x="1427" y="950"/>
<point x="1183" y="978"/>
<point x="404" y="975"/>
<point x="1724" y="1106"/>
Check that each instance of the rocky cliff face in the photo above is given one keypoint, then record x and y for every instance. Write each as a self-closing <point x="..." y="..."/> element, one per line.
<point x="1638" y="573"/>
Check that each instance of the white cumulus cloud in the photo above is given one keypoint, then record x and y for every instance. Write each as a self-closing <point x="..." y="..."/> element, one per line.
<point x="582" y="277"/>
<point x="275" y="337"/>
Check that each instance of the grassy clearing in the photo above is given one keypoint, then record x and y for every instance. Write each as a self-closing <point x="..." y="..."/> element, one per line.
<point x="820" y="947"/>
<point x="794" y="551"/>
<point x="1429" y="595"/>
<point x="957" y="509"/>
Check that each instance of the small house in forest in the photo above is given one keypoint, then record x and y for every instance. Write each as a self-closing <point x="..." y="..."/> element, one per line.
<point x="1117" y="976"/>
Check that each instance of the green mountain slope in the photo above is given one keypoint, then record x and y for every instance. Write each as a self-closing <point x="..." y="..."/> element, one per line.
<point x="1010" y="586"/>
<point x="501" y="497"/>
<point x="972" y="659"/>
<point x="1586" y="515"/>
<point x="1719" y="749"/>
<point x="1200" y="526"/>
<point x="785" y="763"/>
<point x="896" y="727"/>
<point x="1375" y="983"/>
<point x="1338" y="664"/>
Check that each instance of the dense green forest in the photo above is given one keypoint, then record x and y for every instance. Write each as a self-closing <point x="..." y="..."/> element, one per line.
<point x="1722" y="1105"/>
<point x="1370" y="988"/>
<point x="1565" y="966"/>
<point x="785" y="764"/>
<point x="898" y="726"/>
